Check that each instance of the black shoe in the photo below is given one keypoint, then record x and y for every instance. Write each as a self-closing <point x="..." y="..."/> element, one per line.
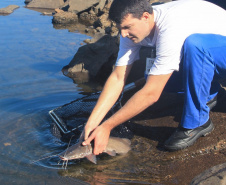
<point x="183" y="138"/>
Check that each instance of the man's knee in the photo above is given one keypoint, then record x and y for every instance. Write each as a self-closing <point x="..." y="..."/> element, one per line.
<point x="193" y="41"/>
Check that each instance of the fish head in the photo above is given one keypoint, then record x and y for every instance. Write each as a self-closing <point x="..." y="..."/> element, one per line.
<point x="77" y="151"/>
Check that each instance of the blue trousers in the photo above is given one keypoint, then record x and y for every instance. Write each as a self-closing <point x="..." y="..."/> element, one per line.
<point x="203" y="65"/>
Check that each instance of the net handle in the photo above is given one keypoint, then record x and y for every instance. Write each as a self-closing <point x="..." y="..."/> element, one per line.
<point x="129" y="87"/>
<point x="133" y="85"/>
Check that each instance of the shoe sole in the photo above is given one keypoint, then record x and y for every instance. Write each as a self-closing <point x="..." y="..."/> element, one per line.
<point x="203" y="133"/>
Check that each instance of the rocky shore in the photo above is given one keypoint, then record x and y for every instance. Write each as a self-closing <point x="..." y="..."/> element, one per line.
<point x="205" y="161"/>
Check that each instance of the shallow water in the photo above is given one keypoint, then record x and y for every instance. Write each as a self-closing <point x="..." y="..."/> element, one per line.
<point x="32" y="54"/>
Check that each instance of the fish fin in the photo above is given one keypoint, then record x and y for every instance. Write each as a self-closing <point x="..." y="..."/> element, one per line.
<point x="92" y="158"/>
<point x="111" y="153"/>
<point x="81" y="138"/>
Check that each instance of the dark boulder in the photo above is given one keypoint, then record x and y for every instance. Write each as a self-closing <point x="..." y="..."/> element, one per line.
<point x="96" y="59"/>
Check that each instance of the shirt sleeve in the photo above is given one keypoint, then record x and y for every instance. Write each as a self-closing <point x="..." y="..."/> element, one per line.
<point x="128" y="52"/>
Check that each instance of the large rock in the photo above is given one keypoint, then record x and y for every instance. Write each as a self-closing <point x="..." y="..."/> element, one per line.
<point x="78" y="6"/>
<point x="9" y="9"/>
<point x="93" y="58"/>
<point x="215" y="175"/>
<point x="48" y="4"/>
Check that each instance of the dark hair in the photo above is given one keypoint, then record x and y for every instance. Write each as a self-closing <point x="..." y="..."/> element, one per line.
<point x="121" y="8"/>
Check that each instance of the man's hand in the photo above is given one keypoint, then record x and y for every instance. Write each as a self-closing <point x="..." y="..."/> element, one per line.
<point x="100" y="136"/>
<point x="88" y="130"/>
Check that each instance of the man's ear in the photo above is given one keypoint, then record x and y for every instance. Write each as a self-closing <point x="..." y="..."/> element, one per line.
<point x="146" y="16"/>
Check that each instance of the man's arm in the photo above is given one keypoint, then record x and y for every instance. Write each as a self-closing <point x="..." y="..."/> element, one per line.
<point x="111" y="91"/>
<point x="145" y="97"/>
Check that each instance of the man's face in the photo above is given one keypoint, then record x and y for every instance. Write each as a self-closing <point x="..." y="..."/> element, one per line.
<point x="136" y="29"/>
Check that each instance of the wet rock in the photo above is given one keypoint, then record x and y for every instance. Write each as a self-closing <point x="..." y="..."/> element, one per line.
<point x="96" y="59"/>
<point x="9" y="9"/>
<point x="62" y="17"/>
<point x="48" y="4"/>
<point x="214" y="175"/>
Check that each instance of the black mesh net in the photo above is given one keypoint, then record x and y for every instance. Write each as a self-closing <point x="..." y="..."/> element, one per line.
<point x="69" y="119"/>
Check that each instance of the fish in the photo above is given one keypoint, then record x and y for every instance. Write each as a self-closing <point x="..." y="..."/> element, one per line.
<point x="115" y="146"/>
